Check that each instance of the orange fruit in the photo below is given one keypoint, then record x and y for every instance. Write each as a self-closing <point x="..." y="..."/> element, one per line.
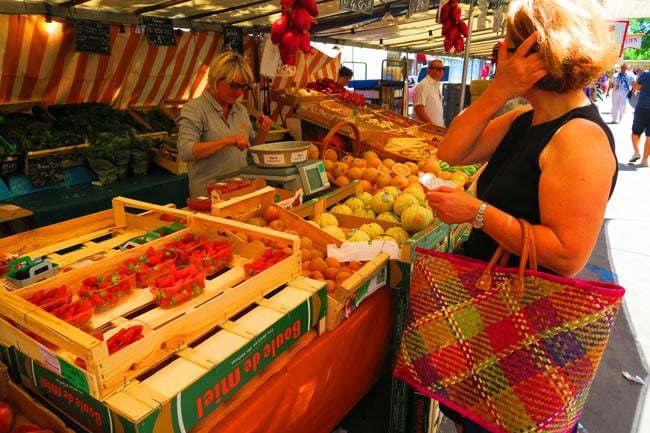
<point x="399" y="168"/>
<point x="305" y="242"/>
<point x="373" y="162"/>
<point x="318" y="264"/>
<point x="277" y="225"/>
<point x="414" y="178"/>
<point x="332" y="262"/>
<point x="342" y="276"/>
<point x="342" y="181"/>
<point x="270" y="212"/>
<point x="368" y="154"/>
<point x="370" y="174"/>
<point x="412" y="166"/>
<point x="389" y="162"/>
<point x="358" y="162"/>
<point x="330" y="273"/>
<point x="305" y="265"/>
<point x="355" y="173"/>
<point x="330" y="155"/>
<point x="317" y="254"/>
<point x="331" y="285"/>
<point x="347" y="159"/>
<point x="355" y="265"/>
<point x="399" y="181"/>
<point x="365" y="185"/>
<point x="382" y="169"/>
<point x="305" y="254"/>
<point x="328" y="164"/>
<point x="383" y="180"/>
<point x="340" y="169"/>
<point x="316" y="275"/>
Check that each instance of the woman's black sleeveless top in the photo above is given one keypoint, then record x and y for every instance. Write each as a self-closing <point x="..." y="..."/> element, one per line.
<point x="510" y="181"/>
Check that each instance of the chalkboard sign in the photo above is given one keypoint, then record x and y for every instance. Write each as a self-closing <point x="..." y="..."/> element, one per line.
<point x="363" y="6"/>
<point x="233" y="39"/>
<point x="92" y="37"/>
<point x="160" y="31"/>
<point x="416" y="6"/>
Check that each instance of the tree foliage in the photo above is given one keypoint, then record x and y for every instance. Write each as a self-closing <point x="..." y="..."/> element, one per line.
<point x="640" y="25"/>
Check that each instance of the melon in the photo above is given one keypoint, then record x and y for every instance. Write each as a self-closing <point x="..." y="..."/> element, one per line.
<point x="372" y="229"/>
<point x="365" y="213"/>
<point x="356" y="235"/>
<point x="388" y="216"/>
<point x="326" y="219"/>
<point x="382" y="202"/>
<point x="402" y="202"/>
<point x="383" y="237"/>
<point x="365" y="197"/>
<point x="354" y="203"/>
<point x="398" y="234"/>
<point x="416" y="192"/>
<point x="342" y="209"/>
<point x="392" y="190"/>
<point x="335" y="231"/>
<point x="415" y="218"/>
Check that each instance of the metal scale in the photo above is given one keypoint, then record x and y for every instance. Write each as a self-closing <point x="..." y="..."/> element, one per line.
<point x="310" y="175"/>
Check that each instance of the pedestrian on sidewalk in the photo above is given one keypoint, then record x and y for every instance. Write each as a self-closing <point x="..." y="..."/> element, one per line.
<point x="620" y="86"/>
<point x="641" y="122"/>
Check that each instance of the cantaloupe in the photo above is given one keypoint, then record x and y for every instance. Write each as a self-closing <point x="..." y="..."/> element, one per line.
<point x="356" y="235"/>
<point x="398" y="234"/>
<point x="372" y="229"/>
<point x="342" y="209"/>
<point x="402" y="202"/>
<point x="326" y="219"/>
<point x="354" y="203"/>
<point x="381" y="202"/>
<point x="415" y="218"/>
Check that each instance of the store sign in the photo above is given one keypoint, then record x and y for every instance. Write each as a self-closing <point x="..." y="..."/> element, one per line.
<point x="416" y="6"/>
<point x="633" y="41"/>
<point x="618" y="30"/>
<point x="160" y="31"/>
<point x="92" y="37"/>
<point x="363" y="6"/>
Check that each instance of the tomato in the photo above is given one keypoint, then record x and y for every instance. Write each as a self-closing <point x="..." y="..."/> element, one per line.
<point x="6" y="417"/>
<point x="24" y="428"/>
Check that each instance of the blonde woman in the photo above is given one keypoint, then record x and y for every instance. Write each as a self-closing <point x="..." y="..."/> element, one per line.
<point x="214" y="130"/>
<point x="551" y="162"/>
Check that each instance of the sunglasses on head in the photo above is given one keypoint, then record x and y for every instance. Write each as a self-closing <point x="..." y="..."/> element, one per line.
<point x="237" y="86"/>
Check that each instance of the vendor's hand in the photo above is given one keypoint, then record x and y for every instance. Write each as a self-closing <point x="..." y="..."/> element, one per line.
<point x="263" y="123"/>
<point x="241" y="141"/>
<point x="518" y="72"/>
<point x="453" y="206"/>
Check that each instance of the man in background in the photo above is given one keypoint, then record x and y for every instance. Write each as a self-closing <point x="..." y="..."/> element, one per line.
<point x="620" y="86"/>
<point x="427" y="101"/>
<point x="345" y="75"/>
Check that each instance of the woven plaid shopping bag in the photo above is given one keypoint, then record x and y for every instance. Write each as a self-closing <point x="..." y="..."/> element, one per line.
<point x="514" y="350"/>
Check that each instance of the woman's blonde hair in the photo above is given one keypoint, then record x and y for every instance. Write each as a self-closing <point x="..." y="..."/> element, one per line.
<point x="573" y="40"/>
<point x="230" y="66"/>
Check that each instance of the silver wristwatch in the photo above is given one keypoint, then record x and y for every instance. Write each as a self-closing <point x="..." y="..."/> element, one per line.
<point x="478" y="219"/>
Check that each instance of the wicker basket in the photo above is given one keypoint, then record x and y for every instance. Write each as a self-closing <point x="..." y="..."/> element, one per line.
<point x="357" y="147"/>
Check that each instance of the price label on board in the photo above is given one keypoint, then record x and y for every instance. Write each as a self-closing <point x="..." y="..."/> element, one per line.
<point x="416" y="6"/>
<point x="233" y="39"/>
<point x="92" y="37"/>
<point x="363" y="6"/>
<point x="160" y="31"/>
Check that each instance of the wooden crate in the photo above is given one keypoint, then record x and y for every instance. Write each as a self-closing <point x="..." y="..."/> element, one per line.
<point x="167" y="330"/>
<point x="75" y="242"/>
<point x="25" y="409"/>
<point x="202" y="377"/>
<point x="177" y="166"/>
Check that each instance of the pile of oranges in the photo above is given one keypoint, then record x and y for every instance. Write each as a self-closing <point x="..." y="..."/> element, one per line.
<point x="372" y="172"/>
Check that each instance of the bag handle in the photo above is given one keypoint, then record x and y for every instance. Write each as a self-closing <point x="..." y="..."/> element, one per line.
<point x="326" y="140"/>
<point x="528" y="256"/>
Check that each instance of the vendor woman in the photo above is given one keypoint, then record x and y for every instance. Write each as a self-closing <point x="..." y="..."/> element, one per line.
<point x="214" y="130"/>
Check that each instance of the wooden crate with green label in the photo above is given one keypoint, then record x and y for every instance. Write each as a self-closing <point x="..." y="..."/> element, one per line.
<point x="94" y="366"/>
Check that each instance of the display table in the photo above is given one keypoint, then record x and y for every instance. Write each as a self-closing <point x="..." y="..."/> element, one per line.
<point x="60" y="204"/>
<point x="322" y="382"/>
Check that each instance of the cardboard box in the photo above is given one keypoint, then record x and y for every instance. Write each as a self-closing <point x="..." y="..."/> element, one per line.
<point x="184" y="391"/>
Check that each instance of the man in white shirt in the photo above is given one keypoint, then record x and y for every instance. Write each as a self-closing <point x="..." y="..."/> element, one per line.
<point x="621" y="84"/>
<point x="427" y="101"/>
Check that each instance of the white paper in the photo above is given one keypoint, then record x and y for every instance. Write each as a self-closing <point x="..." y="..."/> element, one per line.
<point x="270" y="58"/>
<point x="363" y="251"/>
<point x="50" y="360"/>
<point x="430" y="181"/>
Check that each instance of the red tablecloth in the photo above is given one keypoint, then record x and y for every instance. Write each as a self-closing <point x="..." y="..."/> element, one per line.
<point x="323" y="381"/>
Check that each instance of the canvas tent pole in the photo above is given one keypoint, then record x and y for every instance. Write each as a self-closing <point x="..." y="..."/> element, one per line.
<point x="463" y="82"/>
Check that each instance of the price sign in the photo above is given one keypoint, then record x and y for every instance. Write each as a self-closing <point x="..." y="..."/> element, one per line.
<point x="92" y="37"/>
<point x="160" y="31"/>
<point x="363" y="6"/>
<point x="416" y="6"/>
<point x="233" y="39"/>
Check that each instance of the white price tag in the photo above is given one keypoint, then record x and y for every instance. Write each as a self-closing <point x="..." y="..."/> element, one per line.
<point x="49" y="360"/>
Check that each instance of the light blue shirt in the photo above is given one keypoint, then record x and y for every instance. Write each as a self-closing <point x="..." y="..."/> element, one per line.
<point x="201" y="120"/>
